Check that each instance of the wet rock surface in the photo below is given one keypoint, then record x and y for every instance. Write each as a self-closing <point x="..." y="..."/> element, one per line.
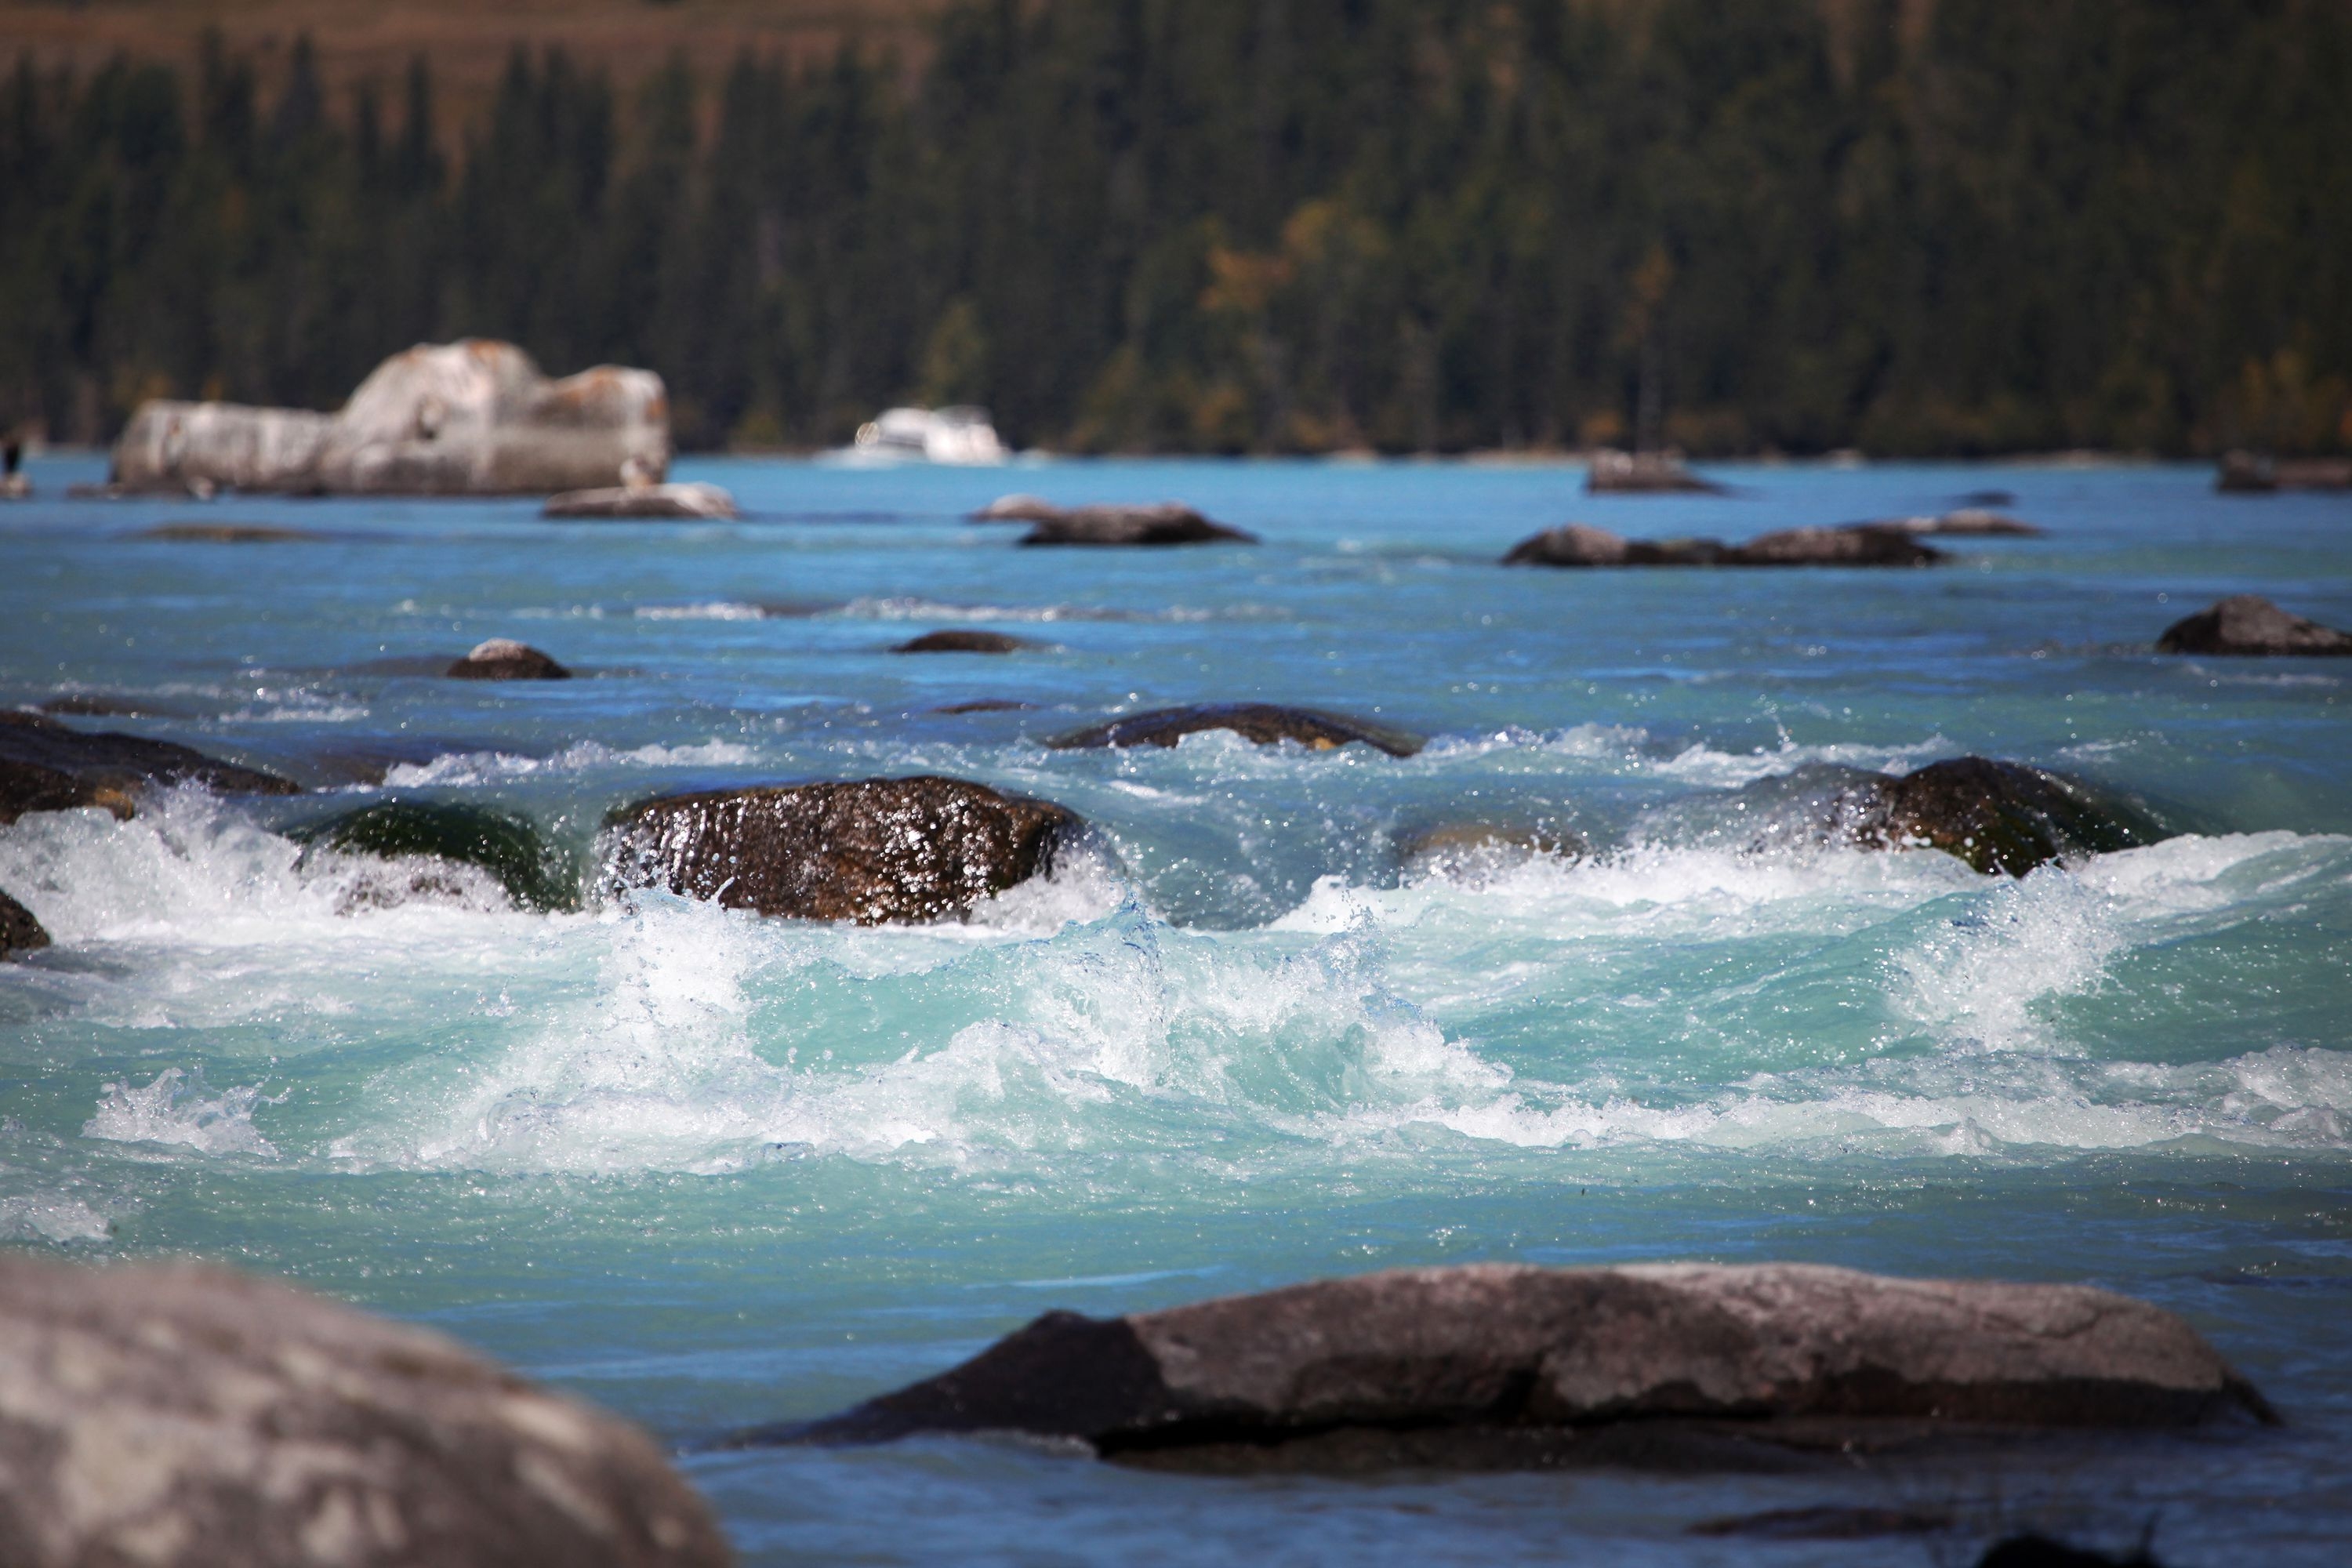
<point x="1857" y="544"/>
<point x="1475" y="849"/>
<point x="1261" y="723"/>
<point x="20" y="931"/>
<point x="502" y="659"/>
<point x="1167" y="523"/>
<point x="2250" y="625"/>
<point x="1644" y="473"/>
<point x="190" y="1416"/>
<point x="676" y="501"/>
<point x="963" y="640"/>
<point x="47" y="767"/>
<point x="904" y="850"/>
<point x="1687" y="1366"/>
<point x="474" y="418"/>
<point x="1998" y="816"/>
<point x="504" y="846"/>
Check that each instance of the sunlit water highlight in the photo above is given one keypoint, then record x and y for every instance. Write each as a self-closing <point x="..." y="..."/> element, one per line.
<point x="712" y="1170"/>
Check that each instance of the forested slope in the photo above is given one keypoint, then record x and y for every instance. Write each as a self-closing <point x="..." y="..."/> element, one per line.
<point x="1225" y="225"/>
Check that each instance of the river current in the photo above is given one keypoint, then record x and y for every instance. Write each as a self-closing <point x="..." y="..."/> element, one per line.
<point x="711" y="1171"/>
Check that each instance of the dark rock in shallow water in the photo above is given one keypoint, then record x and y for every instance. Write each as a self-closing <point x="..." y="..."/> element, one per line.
<point x="44" y="766"/>
<point x="19" y="931"/>
<point x="505" y="845"/>
<point x="1261" y="723"/>
<point x="1859" y="544"/>
<point x="1679" y="1363"/>
<point x="1998" y="817"/>
<point x="1644" y="473"/>
<point x="987" y="705"/>
<point x="871" y="850"/>
<point x="962" y="641"/>
<point x="502" y="659"/>
<point x="192" y="1416"/>
<point x="1168" y="523"/>
<point x="229" y="533"/>
<point x="2249" y="624"/>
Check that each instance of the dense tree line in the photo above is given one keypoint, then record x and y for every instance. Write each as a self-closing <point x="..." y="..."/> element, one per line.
<point x="1266" y="225"/>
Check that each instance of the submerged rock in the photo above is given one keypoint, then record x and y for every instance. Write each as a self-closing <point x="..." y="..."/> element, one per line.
<point x="229" y="533"/>
<point x="20" y="931"/>
<point x="1857" y="544"/>
<point x="1167" y="523"/>
<point x="679" y="500"/>
<point x="475" y="417"/>
<point x="504" y="845"/>
<point x="1644" y="473"/>
<point x="503" y="659"/>
<point x="1484" y="1364"/>
<point x="2249" y="624"/>
<point x="871" y="850"/>
<point x="46" y="766"/>
<point x="1998" y="817"/>
<point x="1261" y="723"/>
<point x="960" y="640"/>
<point x="1471" y="848"/>
<point x="183" y="1415"/>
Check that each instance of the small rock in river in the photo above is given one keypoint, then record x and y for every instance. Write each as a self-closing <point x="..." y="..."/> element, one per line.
<point x="20" y="931"/>
<point x="503" y="659"/>
<point x="1167" y="523"/>
<point x="505" y="845"/>
<point x="869" y="850"/>
<point x="960" y="640"/>
<point x="1261" y="723"/>
<point x="183" y="1415"/>
<point x="2249" y="624"/>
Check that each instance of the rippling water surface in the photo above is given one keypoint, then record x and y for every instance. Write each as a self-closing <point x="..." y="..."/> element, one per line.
<point x="711" y="1170"/>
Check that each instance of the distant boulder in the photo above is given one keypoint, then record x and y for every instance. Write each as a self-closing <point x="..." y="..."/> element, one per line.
<point x="1644" y="473"/>
<point x="475" y="417"/>
<point x="1998" y="816"/>
<point x="1975" y="521"/>
<point x="904" y="850"/>
<point x="2249" y="624"/>
<point x="19" y="931"/>
<point x="180" y="1415"/>
<point x="675" y="501"/>
<point x="1167" y="523"/>
<point x="1857" y="544"/>
<point x="229" y="533"/>
<point x="1017" y="508"/>
<point x="1692" y="1365"/>
<point x="1263" y="723"/>
<point x="961" y="640"/>
<point x="503" y="659"/>
<point x="505" y="845"/>
<point x="2247" y="473"/>
<point x="47" y="767"/>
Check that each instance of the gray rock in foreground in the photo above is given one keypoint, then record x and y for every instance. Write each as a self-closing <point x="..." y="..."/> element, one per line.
<point x="1491" y="1364"/>
<point x="475" y="417"/>
<point x="2249" y="624"/>
<point x="869" y="850"/>
<point x="20" y="931"/>
<point x="187" y="1417"/>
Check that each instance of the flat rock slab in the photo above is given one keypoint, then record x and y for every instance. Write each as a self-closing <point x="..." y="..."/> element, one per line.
<point x="1690" y="1364"/>
<point x="674" y="501"/>
<point x="47" y="767"/>
<point x="503" y="659"/>
<point x="1168" y="523"/>
<point x="1262" y="724"/>
<point x="19" y="931"/>
<point x="190" y="1417"/>
<point x="2249" y="624"/>
<point x="872" y="850"/>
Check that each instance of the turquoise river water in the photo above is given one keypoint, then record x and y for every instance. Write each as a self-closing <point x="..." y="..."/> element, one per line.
<point x="710" y="1171"/>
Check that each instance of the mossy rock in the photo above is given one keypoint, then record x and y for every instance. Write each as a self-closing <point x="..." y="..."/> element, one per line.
<point x="503" y="843"/>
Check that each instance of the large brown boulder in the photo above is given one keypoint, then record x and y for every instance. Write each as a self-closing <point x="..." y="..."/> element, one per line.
<point x="1263" y="723"/>
<point x="475" y="417"/>
<point x="870" y="850"/>
<point x="20" y="931"/>
<point x="46" y="766"/>
<point x="1476" y="1363"/>
<point x="1644" y="473"/>
<point x="185" y="1417"/>
<point x="503" y="659"/>
<point x="1165" y="523"/>
<point x="1998" y="816"/>
<point x="2249" y="623"/>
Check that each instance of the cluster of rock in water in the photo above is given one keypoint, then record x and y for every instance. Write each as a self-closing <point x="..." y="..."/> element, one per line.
<point x="271" y="1427"/>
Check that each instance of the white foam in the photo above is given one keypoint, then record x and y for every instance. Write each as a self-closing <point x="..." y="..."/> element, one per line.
<point x="174" y="1109"/>
<point x="43" y="1217"/>
<point x="461" y="768"/>
<point x="712" y="610"/>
